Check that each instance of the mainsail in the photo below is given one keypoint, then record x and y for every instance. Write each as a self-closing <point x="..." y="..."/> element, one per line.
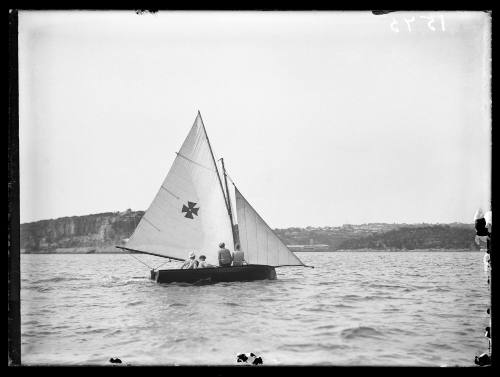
<point x="189" y="212"/>
<point x="258" y="241"/>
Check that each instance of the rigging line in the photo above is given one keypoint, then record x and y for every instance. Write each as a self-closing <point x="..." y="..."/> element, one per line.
<point x="162" y="264"/>
<point x="230" y="178"/>
<point x="132" y="255"/>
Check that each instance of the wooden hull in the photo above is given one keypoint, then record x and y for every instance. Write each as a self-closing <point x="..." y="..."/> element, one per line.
<point x="215" y="274"/>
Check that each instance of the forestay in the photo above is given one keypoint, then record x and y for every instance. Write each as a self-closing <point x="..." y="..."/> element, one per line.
<point x="189" y="212"/>
<point x="258" y="241"/>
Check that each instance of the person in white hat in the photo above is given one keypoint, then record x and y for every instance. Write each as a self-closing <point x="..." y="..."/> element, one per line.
<point x="191" y="262"/>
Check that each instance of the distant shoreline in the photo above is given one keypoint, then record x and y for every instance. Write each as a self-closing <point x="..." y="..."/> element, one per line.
<point x="99" y="233"/>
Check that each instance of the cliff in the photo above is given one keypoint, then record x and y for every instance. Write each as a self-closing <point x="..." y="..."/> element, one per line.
<point x="79" y="234"/>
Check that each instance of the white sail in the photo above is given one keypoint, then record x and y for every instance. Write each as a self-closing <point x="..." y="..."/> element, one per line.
<point x="189" y="211"/>
<point x="258" y="241"/>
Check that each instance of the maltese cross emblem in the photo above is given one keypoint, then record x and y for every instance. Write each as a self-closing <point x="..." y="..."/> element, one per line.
<point x="190" y="210"/>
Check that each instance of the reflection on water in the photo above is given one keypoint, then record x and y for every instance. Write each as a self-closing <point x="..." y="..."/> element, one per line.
<point x="354" y="308"/>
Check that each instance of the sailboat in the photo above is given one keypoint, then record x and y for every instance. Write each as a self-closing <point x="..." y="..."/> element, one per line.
<point x="192" y="211"/>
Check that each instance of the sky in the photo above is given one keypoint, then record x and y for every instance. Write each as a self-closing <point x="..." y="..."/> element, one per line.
<point x="322" y="118"/>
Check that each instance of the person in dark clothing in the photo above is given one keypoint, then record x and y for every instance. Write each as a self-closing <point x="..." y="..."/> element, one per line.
<point x="481" y="229"/>
<point x="482" y="232"/>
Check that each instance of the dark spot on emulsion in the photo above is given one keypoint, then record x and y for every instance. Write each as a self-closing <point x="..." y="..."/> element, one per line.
<point x="483" y="359"/>
<point x="250" y="358"/>
<point x="142" y="11"/>
<point x="379" y="12"/>
<point x="257" y="361"/>
<point x="241" y="358"/>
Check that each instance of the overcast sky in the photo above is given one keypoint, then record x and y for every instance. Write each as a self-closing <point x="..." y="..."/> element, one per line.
<point x="323" y="118"/>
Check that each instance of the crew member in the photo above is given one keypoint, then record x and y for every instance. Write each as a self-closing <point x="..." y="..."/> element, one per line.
<point x="203" y="263"/>
<point x="225" y="257"/>
<point x="238" y="257"/>
<point x="191" y="262"/>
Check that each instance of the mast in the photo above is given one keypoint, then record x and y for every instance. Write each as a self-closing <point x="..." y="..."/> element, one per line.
<point x="218" y="176"/>
<point x="228" y="202"/>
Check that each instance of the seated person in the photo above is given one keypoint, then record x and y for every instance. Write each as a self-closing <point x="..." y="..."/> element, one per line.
<point x="225" y="257"/>
<point x="190" y="263"/>
<point x="238" y="257"/>
<point x="203" y="263"/>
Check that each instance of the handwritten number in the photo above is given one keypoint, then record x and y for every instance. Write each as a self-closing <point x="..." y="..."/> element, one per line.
<point x="442" y="23"/>
<point x="408" y="22"/>
<point x="429" y="24"/>
<point x="392" y="24"/>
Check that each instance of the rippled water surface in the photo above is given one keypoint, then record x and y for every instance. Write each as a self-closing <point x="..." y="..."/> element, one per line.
<point x="354" y="308"/>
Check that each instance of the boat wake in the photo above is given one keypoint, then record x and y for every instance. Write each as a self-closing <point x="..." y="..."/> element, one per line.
<point x="361" y="332"/>
<point x="58" y="279"/>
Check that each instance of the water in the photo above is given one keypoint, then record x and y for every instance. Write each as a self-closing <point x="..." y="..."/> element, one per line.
<point x="354" y="308"/>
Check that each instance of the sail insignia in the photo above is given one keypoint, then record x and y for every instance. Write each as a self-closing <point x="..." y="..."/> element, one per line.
<point x="190" y="209"/>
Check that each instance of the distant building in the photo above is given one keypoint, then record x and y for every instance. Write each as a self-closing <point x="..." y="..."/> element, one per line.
<point x="315" y="247"/>
<point x="311" y="247"/>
